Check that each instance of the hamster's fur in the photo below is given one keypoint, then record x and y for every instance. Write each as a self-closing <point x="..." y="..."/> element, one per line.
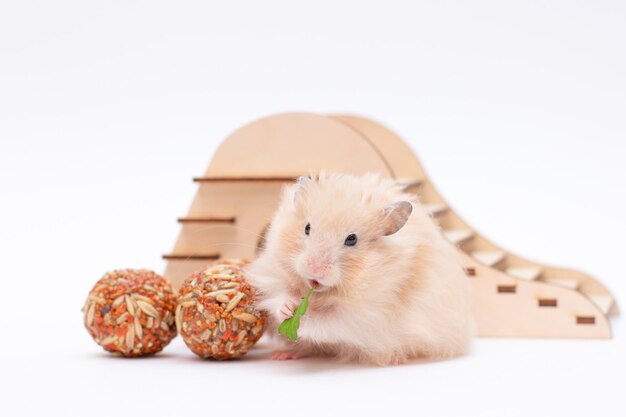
<point x="399" y="293"/>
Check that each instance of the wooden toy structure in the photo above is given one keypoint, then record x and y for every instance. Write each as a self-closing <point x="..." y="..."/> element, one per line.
<point x="240" y="190"/>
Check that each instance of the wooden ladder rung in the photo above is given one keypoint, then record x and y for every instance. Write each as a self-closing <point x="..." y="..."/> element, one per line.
<point x="403" y="182"/>
<point x="206" y="220"/>
<point x="585" y="320"/>
<point x="507" y="289"/>
<point x="603" y="302"/>
<point x="548" y="302"/>
<point x="527" y="273"/>
<point x="458" y="236"/>
<point x="191" y="257"/>
<point x="570" y="283"/>
<point x="407" y="182"/>
<point x="489" y="257"/>
<point x="244" y="179"/>
<point x="435" y="209"/>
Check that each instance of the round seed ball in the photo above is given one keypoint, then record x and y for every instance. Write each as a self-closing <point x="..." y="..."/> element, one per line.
<point x="131" y="312"/>
<point x="216" y="314"/>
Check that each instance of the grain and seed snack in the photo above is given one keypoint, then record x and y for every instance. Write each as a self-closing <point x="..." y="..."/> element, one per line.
<point x="216" y="315"/>
<point x="131" y="312"/>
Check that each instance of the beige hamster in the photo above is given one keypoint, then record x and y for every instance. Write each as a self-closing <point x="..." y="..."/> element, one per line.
<point x="389" y="287"/>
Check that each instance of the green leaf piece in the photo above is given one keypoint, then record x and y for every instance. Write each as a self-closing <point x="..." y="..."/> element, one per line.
<point x="290" y="326"/>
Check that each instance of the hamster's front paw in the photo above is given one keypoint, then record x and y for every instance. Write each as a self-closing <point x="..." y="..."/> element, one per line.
<point x="286" y="355"/>
<point x="287" y="309"/>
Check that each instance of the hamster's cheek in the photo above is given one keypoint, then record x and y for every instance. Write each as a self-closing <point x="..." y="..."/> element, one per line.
<point x="290" y="244"/>
<point x="334" y="277"/>
<point x="299" y="263"/>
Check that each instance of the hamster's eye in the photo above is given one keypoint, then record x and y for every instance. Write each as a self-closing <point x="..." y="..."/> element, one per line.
<point x="307" y="229"/>
<point x="350" y="240"/>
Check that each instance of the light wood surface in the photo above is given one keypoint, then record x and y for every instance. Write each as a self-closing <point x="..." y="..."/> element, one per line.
<point x="458" y="236"/>
<point x="527" y="273"/>
<point x="604" y="302"/>
<point x="572" y="283"/>
<point x="288" y="145"/>
<point x="488" y="257"/>
<point x="428" y="194"/>
<point x="435" y="209"/>
<point x="240" y="189"/>
<point x="206" y="220"/>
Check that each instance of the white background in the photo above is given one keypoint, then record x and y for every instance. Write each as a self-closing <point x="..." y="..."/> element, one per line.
<point x="108" y="109"/>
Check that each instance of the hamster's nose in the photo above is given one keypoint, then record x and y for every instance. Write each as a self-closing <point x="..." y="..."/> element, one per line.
<point x="316" y="269"/>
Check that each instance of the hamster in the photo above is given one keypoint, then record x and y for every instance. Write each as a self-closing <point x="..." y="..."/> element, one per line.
<point x="389" y="287"/>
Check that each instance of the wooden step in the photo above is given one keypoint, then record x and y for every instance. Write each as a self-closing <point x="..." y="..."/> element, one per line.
<point x="435" y="209"/>
<point x="527" y="273"/>
<point x="404" y="182"/>
<point x="489" y="257"/>
<point x="206" y="220"/>
<point x="570" y="283"/>
<point x="458" y="236"/>
<point x="191" y="256"/>
<point x="602" y="301"/>
<point x="244" y="179"/>
<point x="408" y="182"/>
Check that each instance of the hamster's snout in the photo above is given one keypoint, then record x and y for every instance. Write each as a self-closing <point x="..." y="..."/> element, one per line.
<point x="317" y="268"/>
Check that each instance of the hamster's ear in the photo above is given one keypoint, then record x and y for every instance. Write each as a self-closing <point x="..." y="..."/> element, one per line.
<point x="301" y="184"/>
<point x="395" y="216"/>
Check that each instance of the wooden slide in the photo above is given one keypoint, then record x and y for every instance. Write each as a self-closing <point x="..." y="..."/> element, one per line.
<point x="240" y="190"/>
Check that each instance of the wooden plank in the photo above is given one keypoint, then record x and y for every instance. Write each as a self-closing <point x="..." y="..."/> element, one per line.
<point x="458" y="236"/>
<point x="191" y="256"/>
<point x="435" y="209"/>
<point x="244" y="179"/>
<point x="604" y="302"/>
<point x="527" y="273"/>
<point x="408" y="182"/>
<point x="504" y="289"/>
<point x="489" y="257"/>
<point x="547" y="302"/>
<point x="470" y="271"/>
<point x="564" y="282"/>
<point x="394" y="150"/>
<point x="290" y="144"/>
<point x="405" y="182"/>
<point x="585" y="320"/>
<point x="206" y="220"/>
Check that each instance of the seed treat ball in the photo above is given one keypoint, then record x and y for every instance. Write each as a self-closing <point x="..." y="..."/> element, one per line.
<point x="216" y="315"/>
<point x="131" y="312"/>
